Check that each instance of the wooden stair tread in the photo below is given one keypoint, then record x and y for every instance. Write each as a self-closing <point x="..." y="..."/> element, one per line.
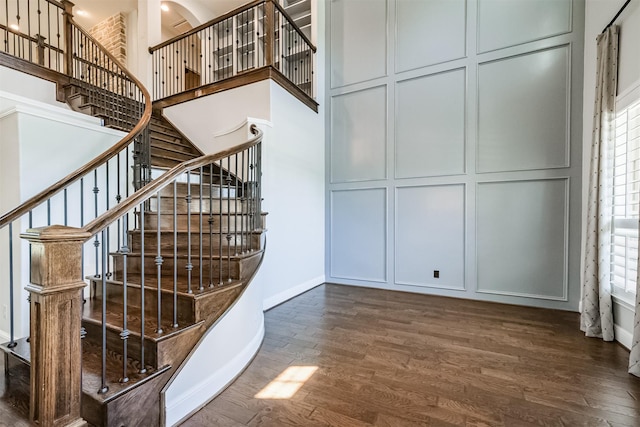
<point x="92" y="312"/>
<point x="21" y="351"/>
<point x="216" y="257"/>
<point x="92" y="368"/>
<point x="160" y="144"/>
<point x="150" y="283"/>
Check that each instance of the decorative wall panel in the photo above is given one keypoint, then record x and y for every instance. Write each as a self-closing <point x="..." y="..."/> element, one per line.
<point x="522" y="230"/>
<point x="523" y="111"/>
<point x="358" y="135"/>
<point x="430" y="125"/>
<point x="430" y="235"/>
<point x="429" y="32"/>
<point x="359" y="234"/>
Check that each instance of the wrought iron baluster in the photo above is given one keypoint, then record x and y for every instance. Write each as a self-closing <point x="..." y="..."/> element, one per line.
<point x="96" y="242"/>
<point x="103" y="387"/>
<point x="66" y="222"/>
<point x="175" y="254"/>
<point x="12" y="342"/>
<point x="124" y="335"/>
<point x="220" y="181"/>
<point x="235" y="208"/>
<point x="243" y="233"/>
<point x="211" y="225"/>
<point x="159" y="261"/>
<point x="143" y="369"/>
<point x="200" y="231"/>
<point x="228" y="216"/>
<point x="189" y="265"/>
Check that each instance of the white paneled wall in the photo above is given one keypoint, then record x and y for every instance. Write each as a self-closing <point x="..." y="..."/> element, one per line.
<point x="454" y="147"/>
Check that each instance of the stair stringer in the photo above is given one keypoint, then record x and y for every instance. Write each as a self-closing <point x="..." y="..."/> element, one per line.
<point x="221" y="354"/>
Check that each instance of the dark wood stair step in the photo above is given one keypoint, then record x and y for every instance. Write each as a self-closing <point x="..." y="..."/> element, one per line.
<point x="235" y="222"/>
<point x="156" y="341"/>
<point x="236" y="267"/>
<point x="162" y="144"/>
<point x="186" y="302"/>
<point x="240" y="241"/>
<point x="214" y="205"/>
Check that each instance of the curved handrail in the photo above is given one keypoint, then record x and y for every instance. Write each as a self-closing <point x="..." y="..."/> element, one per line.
<point x="52" y="190"/>
<point x="149" y="190"/>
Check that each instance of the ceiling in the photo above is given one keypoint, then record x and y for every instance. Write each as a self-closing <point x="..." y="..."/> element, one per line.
<point x="98" y="10"/>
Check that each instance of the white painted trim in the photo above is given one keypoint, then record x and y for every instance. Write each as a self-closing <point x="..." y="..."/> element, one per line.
<point x="4" y="337"/>
<point x="629" y="96"/>
<point x="249" y="120"/>
<point x="623" y="336"/>
<point x="292" y="292"/>
<point x="220" y="379"/>
<point x="72" y="118"/>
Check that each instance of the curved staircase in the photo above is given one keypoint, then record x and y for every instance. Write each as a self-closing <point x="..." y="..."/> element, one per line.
<point x="164" y="258"/>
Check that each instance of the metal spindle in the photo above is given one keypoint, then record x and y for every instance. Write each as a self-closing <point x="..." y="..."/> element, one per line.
<point x="159" y="261"/>
<point x="220" y="224"/>
<point x="66" y="222"/>
<point x="189" y="265"/>
<point x="124" y="335"/>
<point x="103" y="387"/>
<point x="228" y="217"/>
<point x="211" y="225"/>
<point x="175" y="254"/>
<point x="12" y="342"/>
<point x="200" y="231"/>
<point x="143" y="369"/>
<point x="243" y="234"/>
<point x="235" y="208"/>
<point x="96" y="242"/>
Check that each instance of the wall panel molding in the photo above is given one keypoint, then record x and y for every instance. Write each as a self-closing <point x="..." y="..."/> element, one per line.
<point x="359" y="234"/>
<point x="430" y="235"/>
<point x="524" y="246"/>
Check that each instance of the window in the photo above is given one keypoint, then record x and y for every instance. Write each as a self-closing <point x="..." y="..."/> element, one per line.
<point x="626" y="196"/>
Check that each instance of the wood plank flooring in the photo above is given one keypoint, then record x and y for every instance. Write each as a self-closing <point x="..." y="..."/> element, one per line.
<point x="397" y="359"/>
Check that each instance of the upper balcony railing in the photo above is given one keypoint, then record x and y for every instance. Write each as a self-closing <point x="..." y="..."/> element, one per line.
<point x="35" y="31"/>
<point x="257" y="35"/>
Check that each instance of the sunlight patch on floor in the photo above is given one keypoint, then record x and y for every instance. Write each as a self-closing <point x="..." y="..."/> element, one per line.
<point x="287" y="383"/>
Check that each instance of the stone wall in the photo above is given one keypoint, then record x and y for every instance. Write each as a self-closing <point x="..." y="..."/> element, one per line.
<point x="111" y="33"/>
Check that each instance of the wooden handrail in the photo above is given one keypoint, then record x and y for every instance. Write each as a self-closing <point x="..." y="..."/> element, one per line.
<point x="52" y="190"/>
<point x="294" y="25"/>
<point x="55" y="3"/>
<point x="168" y="177"/>
<point x="30" y="38"/>
<point x="229" y="15"/>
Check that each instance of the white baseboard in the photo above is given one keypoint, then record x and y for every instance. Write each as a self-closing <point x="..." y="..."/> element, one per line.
<point x="292" y="292"/>
<point x="4" y="337"/>
<point x="182" y="407"/>
<point x="623" y="336"/>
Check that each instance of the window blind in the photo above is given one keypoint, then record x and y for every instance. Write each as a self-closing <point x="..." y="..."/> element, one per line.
<point x="626" y="199"/>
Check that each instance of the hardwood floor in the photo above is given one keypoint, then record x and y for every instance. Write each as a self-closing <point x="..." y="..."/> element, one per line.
<point x="396" y="359"/>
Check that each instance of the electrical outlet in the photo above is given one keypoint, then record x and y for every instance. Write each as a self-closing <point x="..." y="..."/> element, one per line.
<point x="4" y="311"/>
<point x="436" y="274"/>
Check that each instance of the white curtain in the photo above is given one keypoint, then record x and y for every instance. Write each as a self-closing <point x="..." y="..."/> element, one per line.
<point x="596" y="319"/>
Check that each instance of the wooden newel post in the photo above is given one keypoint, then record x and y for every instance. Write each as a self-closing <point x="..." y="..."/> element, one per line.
<point x="56" y="315"/>
<point x="68" y="37"/>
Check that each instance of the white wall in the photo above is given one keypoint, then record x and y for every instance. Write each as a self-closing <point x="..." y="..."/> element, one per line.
<point x="40" y="143"/>
<point x="598" y="13"/>
<point x="454" y="145"/>
<point x="293" y="191"/>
